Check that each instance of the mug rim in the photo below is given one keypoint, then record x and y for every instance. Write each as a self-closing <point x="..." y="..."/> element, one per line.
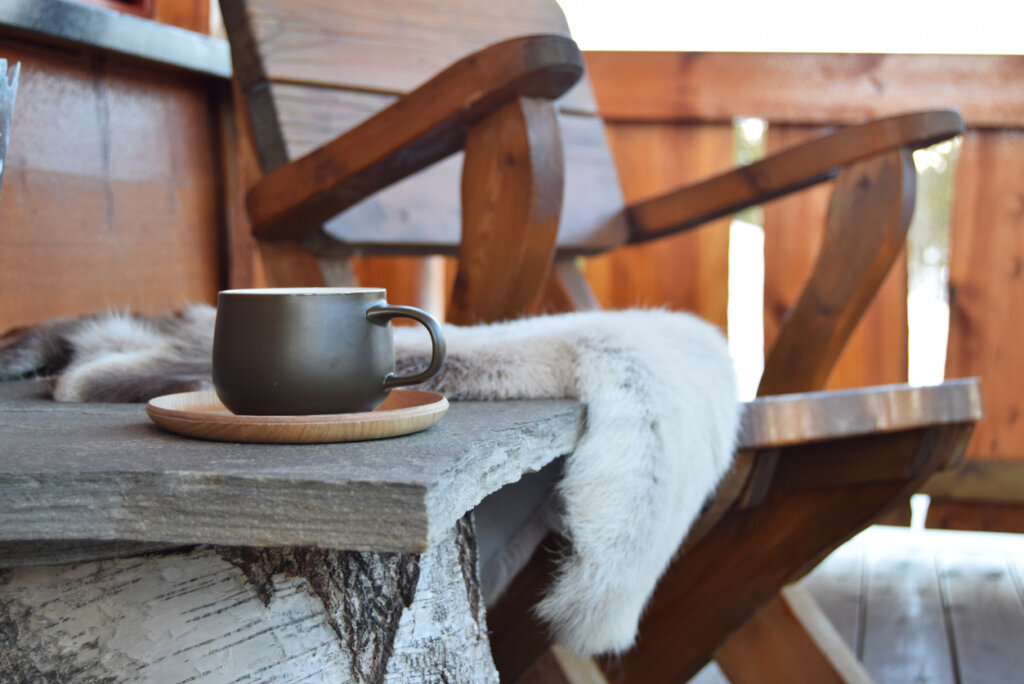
<point x="304" y="291"/>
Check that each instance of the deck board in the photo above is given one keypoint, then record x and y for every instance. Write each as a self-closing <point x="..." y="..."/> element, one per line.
<point x="905" y="638"/>
<point x="986" y="614"/>
<point x="908" y="635"/>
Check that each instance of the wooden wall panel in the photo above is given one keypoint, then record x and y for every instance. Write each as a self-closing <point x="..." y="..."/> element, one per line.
<point x="822" y="89"/>
<point x="987" y="286"/>
<point x="110" y="194"/>
<point x="687" y="271"/>
<point x="877" y="351"/>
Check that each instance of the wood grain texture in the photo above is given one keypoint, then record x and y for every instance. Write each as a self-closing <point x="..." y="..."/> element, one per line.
<point x="271" y="614"/>
<point x="876" y="353"/>
<point x="512" y="180"/>
<point x="986" y="284"/>
<point x="110" y="195"/>
<point x="787" y="170"/>
<point x="728" y="575"/>
<point x="380" y="54"/>
<point x="423" y="213"/>
<point x="823" y="89"/>
<point x="421" y="128"/>
<point x="200" y="414"/>
<point x="867" y="223"/>
<point x="687" y="272"/>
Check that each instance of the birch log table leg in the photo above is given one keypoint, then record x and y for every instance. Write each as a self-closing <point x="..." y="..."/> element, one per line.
<point x="228" y="613"/>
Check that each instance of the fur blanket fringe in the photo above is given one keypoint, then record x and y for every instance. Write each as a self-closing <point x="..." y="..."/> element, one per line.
<point x="662" y="418"/>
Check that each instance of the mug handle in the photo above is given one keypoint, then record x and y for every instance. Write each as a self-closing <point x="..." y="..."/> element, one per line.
<point x="384" y="313"/>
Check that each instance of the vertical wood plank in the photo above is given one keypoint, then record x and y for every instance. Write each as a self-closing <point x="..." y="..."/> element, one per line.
<point x="110" y="196"/>
<point x="987" y="285"/>
<point x="687" y="271"/>
<point x="193" y="15"/>
<point x="876" y="353"/>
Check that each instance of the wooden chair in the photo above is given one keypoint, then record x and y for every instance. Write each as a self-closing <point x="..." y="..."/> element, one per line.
<point x="352" y="113"/>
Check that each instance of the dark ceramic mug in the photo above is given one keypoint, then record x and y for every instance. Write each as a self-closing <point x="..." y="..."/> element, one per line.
<point x="302" y="351"/>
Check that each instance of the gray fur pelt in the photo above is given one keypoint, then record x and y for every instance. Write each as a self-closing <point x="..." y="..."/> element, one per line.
<point x="662" y="417"/>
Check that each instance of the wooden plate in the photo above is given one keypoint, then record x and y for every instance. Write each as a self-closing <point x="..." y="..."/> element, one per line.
<point x="201" y="414"/>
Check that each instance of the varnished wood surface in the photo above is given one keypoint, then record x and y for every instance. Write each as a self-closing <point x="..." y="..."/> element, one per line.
<point x="423" y="127"/>
<point x="789" y="640"/>
<point x="787" y="170"/>
<point x="728" y="575"/>
<point x="110" y="194"/>
<point x="865" y="230"/>
<point x="986" y="285"/>
<point x="794" y="228"/>
<point x="825" y="89"/>
<point x="512" y="180"/>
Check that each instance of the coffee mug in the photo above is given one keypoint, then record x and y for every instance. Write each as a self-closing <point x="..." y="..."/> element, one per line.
<point x="302" y="351"/>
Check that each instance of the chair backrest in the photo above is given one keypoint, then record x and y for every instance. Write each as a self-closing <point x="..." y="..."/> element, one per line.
<point x="313" y="70"/>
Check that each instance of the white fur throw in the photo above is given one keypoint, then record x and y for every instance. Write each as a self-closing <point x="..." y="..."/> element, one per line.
<point x="662" y="417"/>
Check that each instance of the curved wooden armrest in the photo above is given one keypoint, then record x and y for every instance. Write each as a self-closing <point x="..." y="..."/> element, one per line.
<point x="419" y="129"/>
<point x="786" y="171"/>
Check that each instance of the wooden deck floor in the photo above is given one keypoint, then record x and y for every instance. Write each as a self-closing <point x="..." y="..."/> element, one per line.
<point x="925" y="607"/>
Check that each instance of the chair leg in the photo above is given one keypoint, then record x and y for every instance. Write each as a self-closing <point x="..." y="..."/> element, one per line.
<point x="559" y="665"/>
<point x="512" y="181"/>
<point x="789" y="640"/>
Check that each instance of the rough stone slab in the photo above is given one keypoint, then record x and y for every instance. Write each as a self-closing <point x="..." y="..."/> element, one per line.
<point x="105" y="472"/>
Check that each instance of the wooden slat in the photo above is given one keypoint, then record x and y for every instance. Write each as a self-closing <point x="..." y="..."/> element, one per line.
<point x="423" y="127"/>
<point x="690" y="271"/>
<point x="979" y="515"/>
<point x="787" y="170"/>
<point x="980" y="480"/>
<point x="987" y="285"/>
<point x="193" y="15"/>
<point x="379" y="53"/>
<point x="905" y="638"/>
<point x="423" y="212"/>
<point x="110" y="194"/>
<point x="876" y="353"/>
<point x="805" y="88"/>
<point x="984" y="606"/>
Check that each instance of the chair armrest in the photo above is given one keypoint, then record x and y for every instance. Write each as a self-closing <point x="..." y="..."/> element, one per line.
<point x="419" y="129"/>
<point x="786" y="171"/>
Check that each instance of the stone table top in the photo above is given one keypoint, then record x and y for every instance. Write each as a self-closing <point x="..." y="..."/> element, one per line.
<point x="106" y="472"/>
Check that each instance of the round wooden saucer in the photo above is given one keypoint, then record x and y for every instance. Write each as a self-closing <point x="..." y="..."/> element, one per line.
<point x="201" y="414"/>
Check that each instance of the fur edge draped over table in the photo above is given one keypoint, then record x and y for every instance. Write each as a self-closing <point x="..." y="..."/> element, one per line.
<point x="660" y="426"/>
